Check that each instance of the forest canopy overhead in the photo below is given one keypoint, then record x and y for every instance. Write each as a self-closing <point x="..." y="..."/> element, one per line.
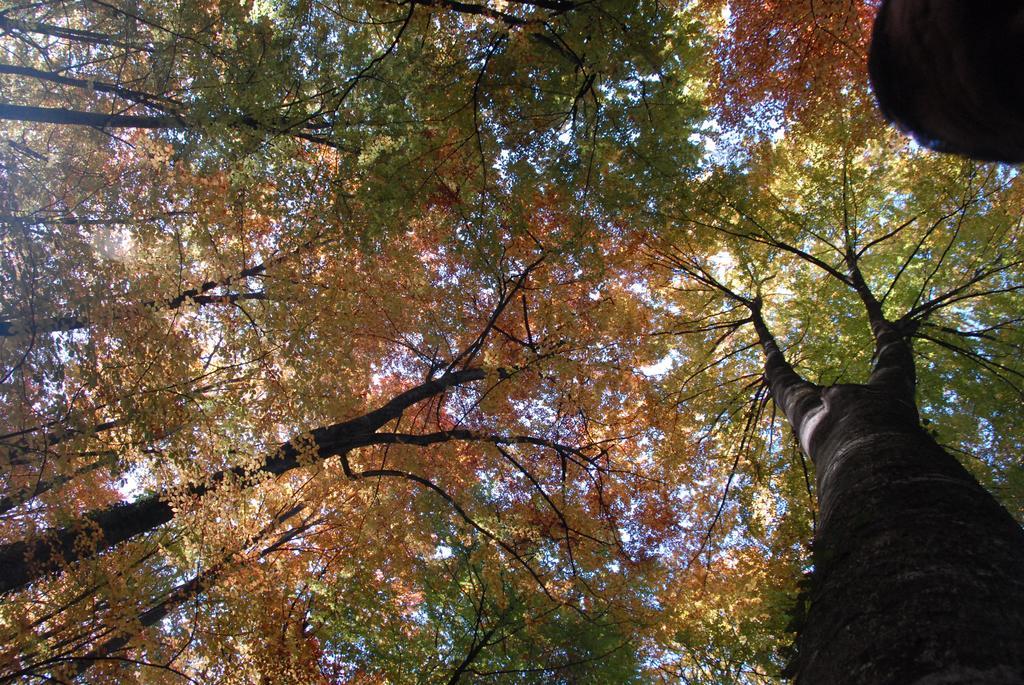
<point x="437" y="341"/>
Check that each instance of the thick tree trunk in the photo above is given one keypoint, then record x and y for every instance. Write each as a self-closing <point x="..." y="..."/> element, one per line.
<point x="918" y="572"/>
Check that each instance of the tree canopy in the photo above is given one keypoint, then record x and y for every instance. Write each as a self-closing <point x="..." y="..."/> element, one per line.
<point x="424" y="341"/>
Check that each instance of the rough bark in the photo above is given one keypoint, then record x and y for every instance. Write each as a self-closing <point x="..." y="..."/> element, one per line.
<point x="918" y="572"/>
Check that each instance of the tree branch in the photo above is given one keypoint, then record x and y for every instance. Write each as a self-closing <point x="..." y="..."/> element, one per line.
<point x="26" y="560"/>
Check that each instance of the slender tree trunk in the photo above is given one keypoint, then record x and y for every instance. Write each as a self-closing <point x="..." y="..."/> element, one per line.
<point x="71" y="117"/>
<point x="157" y="102"/>
<point x="18" y="497"/>
<point x="77" y="35"/>
<point x="23" y="561"/>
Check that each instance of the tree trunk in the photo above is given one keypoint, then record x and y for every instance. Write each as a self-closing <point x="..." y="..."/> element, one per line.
<point x="71" y="117"/>
<point x="918" y="572"/>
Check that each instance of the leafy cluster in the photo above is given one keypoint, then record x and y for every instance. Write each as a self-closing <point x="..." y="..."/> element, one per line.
<point x="397" y="342"/>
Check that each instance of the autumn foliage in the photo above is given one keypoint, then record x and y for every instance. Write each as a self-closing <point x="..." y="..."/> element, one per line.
<point x="378" y="342"/>
<point x="788" y="59"/>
